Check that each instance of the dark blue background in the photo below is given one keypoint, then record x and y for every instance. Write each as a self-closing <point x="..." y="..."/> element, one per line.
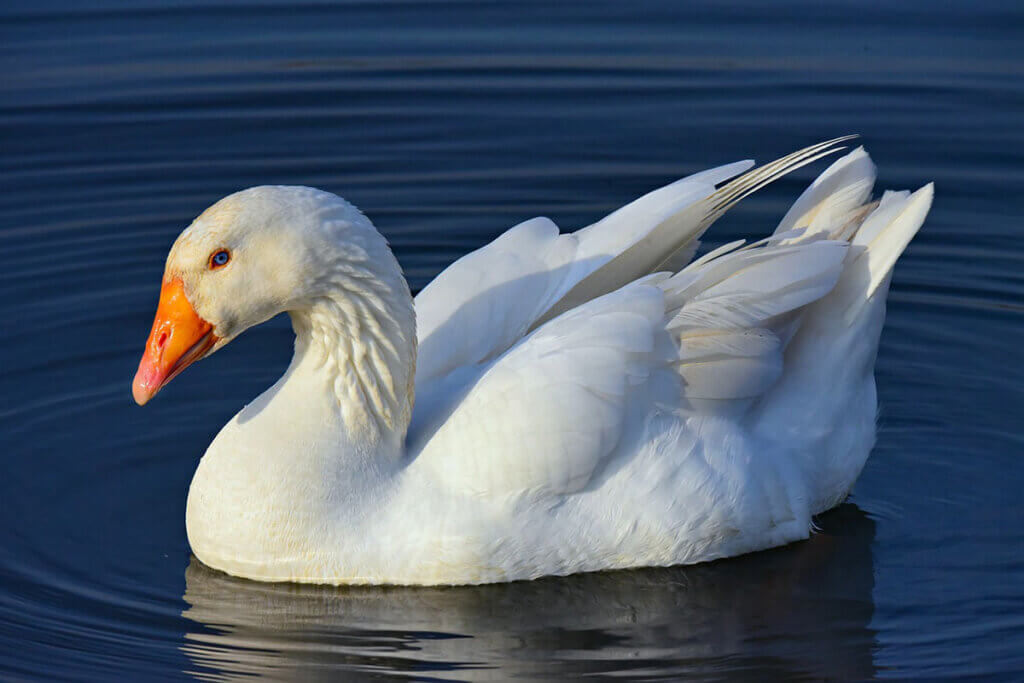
<point x="448" y="122"/>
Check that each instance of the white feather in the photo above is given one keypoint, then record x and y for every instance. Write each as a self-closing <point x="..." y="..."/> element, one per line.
<point x="544" y="415"/>
<point x="844" y="186"/>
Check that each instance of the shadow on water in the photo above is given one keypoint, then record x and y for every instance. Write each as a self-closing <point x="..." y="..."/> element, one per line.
<point x="792" y="613"/>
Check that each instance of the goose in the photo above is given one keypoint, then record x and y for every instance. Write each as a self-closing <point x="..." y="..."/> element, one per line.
<point x="551" y="403"/>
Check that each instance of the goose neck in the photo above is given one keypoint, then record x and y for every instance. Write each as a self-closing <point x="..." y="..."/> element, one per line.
<point x="355" y="344"/>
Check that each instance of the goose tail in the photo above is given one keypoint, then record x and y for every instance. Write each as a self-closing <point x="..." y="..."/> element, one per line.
<point x="825" y="405"/>
<point x="838" y="206"/>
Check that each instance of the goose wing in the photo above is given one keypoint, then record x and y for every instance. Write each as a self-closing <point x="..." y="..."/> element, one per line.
<point x="489" y="299"/>
<point x="542" y="416"/>
<point x="545" y="415"/>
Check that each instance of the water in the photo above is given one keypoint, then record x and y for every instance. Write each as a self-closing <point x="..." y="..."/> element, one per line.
<point x="447" y="123"/>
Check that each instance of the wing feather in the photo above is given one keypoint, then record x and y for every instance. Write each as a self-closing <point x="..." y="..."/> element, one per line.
<point x="490" y="298"/>
<point x="677" y="233"/>
<point x="543" y="416"/>
<point x="732" y="314"/>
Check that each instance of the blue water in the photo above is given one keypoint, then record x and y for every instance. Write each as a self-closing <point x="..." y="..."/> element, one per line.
<point x="448" y="122"/>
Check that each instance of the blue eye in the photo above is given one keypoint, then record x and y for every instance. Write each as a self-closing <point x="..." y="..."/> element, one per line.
<point x="220" y="258"/>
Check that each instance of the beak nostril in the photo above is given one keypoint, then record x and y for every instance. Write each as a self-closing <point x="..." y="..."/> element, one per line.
<point x="178" y="338"/>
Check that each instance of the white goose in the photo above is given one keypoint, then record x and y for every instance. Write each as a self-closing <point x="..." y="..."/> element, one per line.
<point x="582" y="401"/>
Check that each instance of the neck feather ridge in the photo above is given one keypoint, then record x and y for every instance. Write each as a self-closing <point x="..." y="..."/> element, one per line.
<point x="358" y="334"/>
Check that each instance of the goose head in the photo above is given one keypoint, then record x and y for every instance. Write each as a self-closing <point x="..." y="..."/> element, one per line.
<point x="250" y="256"/>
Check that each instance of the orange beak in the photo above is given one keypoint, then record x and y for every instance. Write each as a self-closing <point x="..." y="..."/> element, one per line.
<point x="179" y="338"/>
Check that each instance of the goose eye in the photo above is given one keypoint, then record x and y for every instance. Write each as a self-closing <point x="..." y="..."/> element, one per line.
<point x="219" y="258"/>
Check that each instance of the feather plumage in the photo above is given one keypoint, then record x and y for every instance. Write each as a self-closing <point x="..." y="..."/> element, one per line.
<point x="576" y="409"/>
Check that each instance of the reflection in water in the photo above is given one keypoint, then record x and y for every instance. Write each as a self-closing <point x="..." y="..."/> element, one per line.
<point x="796" y="612"/>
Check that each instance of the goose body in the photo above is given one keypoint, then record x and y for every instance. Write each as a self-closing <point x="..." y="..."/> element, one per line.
<point x="551" y="403"/>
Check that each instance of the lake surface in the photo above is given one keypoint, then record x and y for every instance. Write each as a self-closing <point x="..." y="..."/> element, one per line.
<point x="447" y="123"/>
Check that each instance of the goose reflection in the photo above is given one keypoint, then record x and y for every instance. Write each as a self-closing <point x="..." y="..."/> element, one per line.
<point x="796" y="612"/>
